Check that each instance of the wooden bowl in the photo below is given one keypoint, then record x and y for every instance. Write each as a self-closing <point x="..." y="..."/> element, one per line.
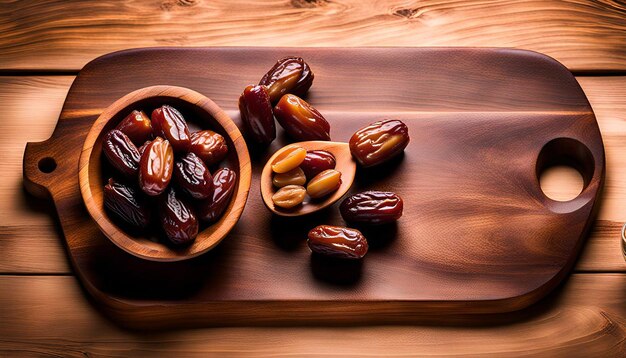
<point x="200" y="112"/>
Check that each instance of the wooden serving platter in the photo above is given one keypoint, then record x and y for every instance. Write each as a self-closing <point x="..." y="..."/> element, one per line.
<point x="478" y="235"/>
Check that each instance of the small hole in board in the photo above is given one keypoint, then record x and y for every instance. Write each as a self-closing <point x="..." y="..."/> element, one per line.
<point x="561" y="182"/>
<point x="47" y="165"/>
<point x="564" y="169"/>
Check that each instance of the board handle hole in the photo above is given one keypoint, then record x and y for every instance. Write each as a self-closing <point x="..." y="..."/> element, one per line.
<point x="564" y="169"/>
<point x="47" y="165"/>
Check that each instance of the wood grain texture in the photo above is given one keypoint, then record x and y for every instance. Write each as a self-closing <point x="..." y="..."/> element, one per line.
<point x="62" y="34"/>
<point x="585" y="318"/>
<point x="465" y="188"/>
<point x="30" y="240"/>
<point x="29" y="236"/>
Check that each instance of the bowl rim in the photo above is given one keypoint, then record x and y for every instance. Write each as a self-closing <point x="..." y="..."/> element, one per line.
<point x="232" y="212"/>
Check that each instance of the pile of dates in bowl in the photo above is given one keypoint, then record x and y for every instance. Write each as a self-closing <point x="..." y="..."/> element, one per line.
<point x="166" y="175"/>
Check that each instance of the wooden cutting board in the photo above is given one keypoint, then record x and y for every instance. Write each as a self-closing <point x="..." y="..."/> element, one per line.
<point x="477" y="236"/>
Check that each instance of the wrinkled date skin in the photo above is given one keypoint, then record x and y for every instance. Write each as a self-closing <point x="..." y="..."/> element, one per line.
<point x="121" y="153"/>
<point x="169" y="123"/>
<point x="256" y="114"/>
<point x="192" y="175"/>
<point x="336" y="241"/>
<point x="300" y="120"/>
<point x="156" y="166"/>
<point x="372" y="207"/>
<point x="209" y="146"/>
<point x="316" y="161"/>
<point x="137" y="127"/>
<point x="127" y="204"/>
<point x="177" y="220"/>
<point x="379" y="142"/>
<point x="211" y="209"/>
<point x="289" y="75"/>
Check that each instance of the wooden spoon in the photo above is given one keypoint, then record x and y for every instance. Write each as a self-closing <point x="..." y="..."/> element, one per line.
<point x="345" y="164"/>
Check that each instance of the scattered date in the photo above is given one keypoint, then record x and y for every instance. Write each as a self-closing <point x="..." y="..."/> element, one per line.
<point x="289" y="75"/>
<point x="256" y="114"/>
<point x="372" y="207"/>
<point x="337" y="241"/>
<point x="379" y="142"/>
<point x="300" y="120"/>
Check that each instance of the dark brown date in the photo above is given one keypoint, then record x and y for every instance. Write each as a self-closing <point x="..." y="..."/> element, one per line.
<point x="289" y="75"/>
<point x="156" y="166"/>
<point x="256" y="114"/>
<point x="169" y="123"/>
<point x="337" y="241"/>
<point x="211" y="209"/>
<point x="137" y="127"/>
<point x="177" y="219"/>
<point x="127" y="204"/>
<point x="209" y="146"/>
<point x="121" y="152"/>
<point x="379" y="142"/>
<point x="300" y="120"/>
<point x="192" y="175"/>
<point x="372" y="207"/>
<point x="316" y="161"/>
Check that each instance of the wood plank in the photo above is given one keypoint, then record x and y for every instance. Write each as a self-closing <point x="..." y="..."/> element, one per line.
<point x="30" y="242"/>
<point x="585" y="36"/>
<point x="29" y="236"/>
<point x="51" y="316"/>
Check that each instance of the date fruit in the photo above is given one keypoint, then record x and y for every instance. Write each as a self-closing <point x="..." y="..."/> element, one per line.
<point x="379" y="142"/>
<point x="372" y="207"/>
<point x="224" y="181"/>
<point x="169" y="123"/>
<point x="316" y="161"/>
<point x="337" y="241"/>
<point x="192" y="175"/>
<point x="127" y="204"/>
<point x="156" y="166"/>
<point x="324" y="183"/>
<point x="209" y="146"/>
<point x="289" y="196"/>
<point x="293" y="177"/>
<point x="177" y="219"/>
<point x="288" y="159"/>
<point x="300" y="120"/>
<point x="137" y="127"/>
<point x="121" y="152"/>
<point x="289" y="75"/>
<point x="256" y="114"/>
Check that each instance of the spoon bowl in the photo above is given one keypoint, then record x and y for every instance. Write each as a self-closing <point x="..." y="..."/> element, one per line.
<point x="344" y="164"/>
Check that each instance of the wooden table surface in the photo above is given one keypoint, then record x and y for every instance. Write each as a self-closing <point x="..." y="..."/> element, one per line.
<point x="43" y="44"/>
